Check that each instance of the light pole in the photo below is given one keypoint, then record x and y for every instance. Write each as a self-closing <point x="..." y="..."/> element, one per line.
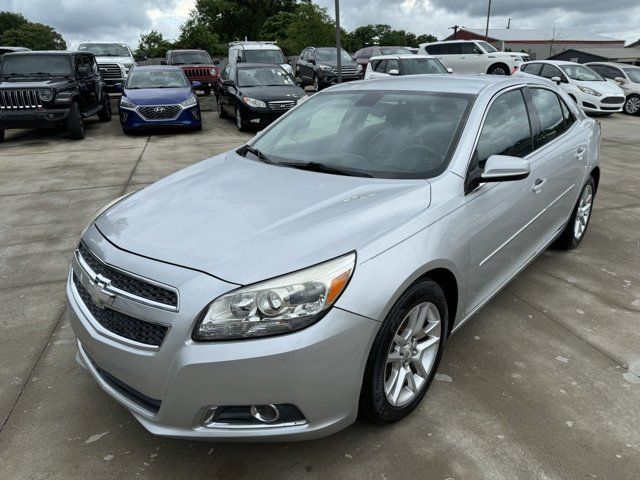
<point x="338" y="47"/>
<point x="486" y="31"/>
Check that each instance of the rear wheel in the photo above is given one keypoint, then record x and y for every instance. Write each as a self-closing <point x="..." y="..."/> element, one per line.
<point x="632" y="105"/>
<point x="574" y="232"/>
<point x="405" y="354"/>
<point x="75" y="122"/>
<point x="498" y="69"/>
<point x="104" y="115"/>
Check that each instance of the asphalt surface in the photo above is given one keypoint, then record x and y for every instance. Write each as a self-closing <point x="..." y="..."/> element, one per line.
<point x="544" y="383"/>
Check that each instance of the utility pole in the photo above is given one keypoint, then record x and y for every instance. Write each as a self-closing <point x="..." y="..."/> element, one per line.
<point x="338" y="47"/>
<point x="508" y="24"/>
<point x="486" y="31"/>
<point x="455" y="31"/>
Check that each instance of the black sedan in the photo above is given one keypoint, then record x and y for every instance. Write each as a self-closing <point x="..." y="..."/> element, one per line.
<point x="255" y="94"/>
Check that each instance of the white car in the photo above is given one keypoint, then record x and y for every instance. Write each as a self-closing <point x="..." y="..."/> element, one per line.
<point x="590" y="91"/>
<point x="473" y="56"/>
<point x="258" y="52"/>
<point x="627" y="77"/>
<point x="406" y="64"/>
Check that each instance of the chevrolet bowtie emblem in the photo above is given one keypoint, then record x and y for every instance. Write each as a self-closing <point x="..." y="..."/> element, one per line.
<point x="100" y="296"/>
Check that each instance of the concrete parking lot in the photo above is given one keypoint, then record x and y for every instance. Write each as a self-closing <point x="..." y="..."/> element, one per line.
<point x="544" y="383"/>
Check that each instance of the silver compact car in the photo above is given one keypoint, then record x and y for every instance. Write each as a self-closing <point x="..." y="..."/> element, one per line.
<point x="278" y="290"/>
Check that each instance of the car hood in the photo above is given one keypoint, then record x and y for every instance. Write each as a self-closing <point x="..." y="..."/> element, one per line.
<point x="32" y="82"/>
<point x="244" y="221"/>
<point x="107" y="59"/>
<point x="156" y="96"/>
<point x="284" y="92"/>
<point x="605" y="87"/>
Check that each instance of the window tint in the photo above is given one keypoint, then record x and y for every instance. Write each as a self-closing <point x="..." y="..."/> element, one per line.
<point x="611" y="72"/>
<point x="225" y="73"/>
<point x="549" y="71"/>
<point x="375" y="65"/>
<point x="392" y="64"/>
<point x="532" y="68"/>
<point x="305" y="55"/>
<point x="469" y="49"/>
<point x="453" y="48"/>
<point x="566" y="113"/>
<point x="506" y="129"/>
<point x="599" y="69"/>
<point x="83" y="68"/>
<point x="94" y="66"/>
<point x="549" y="111"/>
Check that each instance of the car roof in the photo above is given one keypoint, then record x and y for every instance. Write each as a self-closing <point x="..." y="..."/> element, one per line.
<point x="187" y="50"/>
<point x="446" y="83"/>
<point x="399" y="56"/>
<point x="256" y="65"/>
<point x="47" y="52"/>
<point x="257" y="46"/>
<point x="613" y="64"/>
<point x="158" y="67"/>
<point x="451" y="41"/>
<point x="553" y="62"/>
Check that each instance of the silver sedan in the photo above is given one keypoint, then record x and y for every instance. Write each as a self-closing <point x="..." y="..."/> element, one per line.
<point x="281" y="289"/>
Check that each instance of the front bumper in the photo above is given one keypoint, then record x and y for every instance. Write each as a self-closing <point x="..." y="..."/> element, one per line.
<point x="331" y="78"/>
<point x="592" y="104"/>
<point x="32" y="118"/>
<point x="188" y="117"/>
<point x="318" y="369"/>
<point x="260" y="116"/>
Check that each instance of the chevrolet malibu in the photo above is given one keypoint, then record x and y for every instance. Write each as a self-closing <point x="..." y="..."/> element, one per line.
<point x="278" y="290"/>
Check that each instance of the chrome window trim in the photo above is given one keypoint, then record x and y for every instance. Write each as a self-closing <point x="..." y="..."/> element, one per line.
<point x="151" y="303"/>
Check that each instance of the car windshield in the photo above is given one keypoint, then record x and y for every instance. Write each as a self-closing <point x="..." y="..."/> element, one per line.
<point x="264" y="56"/>
<point x="156" y="79"/>
<point x="633" y="74"/>
<point x="373" y="133"/>
<point x="46" y="65"/>
<point x="331" y="55"/>
<point x="394" y="50"/>
<point x="106" y="49"/>
<point x="417" y="66"/>
<point x="190" y="58"/>
<point x="488" y="47"/>
<point x="263" y="76"/>
<point x="580" y="73"/>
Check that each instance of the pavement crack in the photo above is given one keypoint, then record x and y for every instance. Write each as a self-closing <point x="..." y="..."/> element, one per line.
<point x="135" y="167"/>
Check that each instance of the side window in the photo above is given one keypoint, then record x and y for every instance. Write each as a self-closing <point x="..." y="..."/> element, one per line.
<point x="506" y="129"/>
<point x="311" y="55"/>
<point x="532" y="68"/>
<point x="599" y="69"/>
<point x="367" y="52"/>
<point x="566" y="113"/>
<point x="94" y="66"/>
<point x="549" y="71"/>
<point x="469" y="48"/>
<point x="225" y="73"/>
<point x="612" y="73"/>
<point x="392" y="64"/>
<point x="378" y="65"/>
<point x="453" y="48"/>
<point x="82" y="67"/>
<point x="303" y="55"/>
<point x="552" y="120"/>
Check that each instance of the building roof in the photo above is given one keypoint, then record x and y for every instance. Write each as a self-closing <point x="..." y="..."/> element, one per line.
<point x="524" y="35"/>
<point x="612" y="53"/>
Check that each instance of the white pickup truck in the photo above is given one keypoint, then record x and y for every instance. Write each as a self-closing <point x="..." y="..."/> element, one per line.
<point x="114" y="59"/>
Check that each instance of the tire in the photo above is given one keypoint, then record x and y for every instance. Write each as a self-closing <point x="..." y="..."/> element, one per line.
<point x="576" y="227"/>
<point x="128" y="131"/>
<point x="632" y="105"/>
<point x="75" y="123"/>
<point x="221" y="112"/>
<point x="379" y="403"/>
<point x="240" y="121"/>
<point x="1" y="135"/>
<point x="207" y="91"/>
<point x="498" y="69"/>
<point x="104" y="115"/>
<point x="316" y="84"/>
<point x="197" y="128"/>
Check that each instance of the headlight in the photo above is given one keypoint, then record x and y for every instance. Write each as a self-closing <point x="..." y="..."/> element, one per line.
<point x="214" y="71"/>
<point x="302" y="99"/>
<point x="589" y="91"/>
<point x="127" y="67"/>
<point x="359" y="68"/>
<point x="46" y="95"/>
<point x="189" y="102"/>
<point x="252" y="102"/>
<point x="325" y="67"/>
<point x="127" y="104"/>
<point x="281" y="305"/>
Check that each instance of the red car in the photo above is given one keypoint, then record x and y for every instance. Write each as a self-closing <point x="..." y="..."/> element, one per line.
<point x="197" y="66"/>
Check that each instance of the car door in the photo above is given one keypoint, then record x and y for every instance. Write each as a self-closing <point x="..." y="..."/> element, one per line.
<point x="560" y="160"/>
<point x="225" y="90"/>
<point x="302" y="66"/>
<point x="99" y="82"/>
<point x="550" y="71"/>
<point x="471" y="58"/>
<point x="81" y="72"/>
<point x="503" y="212"/>
<point x="610" y="74"/>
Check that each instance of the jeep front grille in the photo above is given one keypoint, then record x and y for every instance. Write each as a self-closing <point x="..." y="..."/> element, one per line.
<point x="281" y="106"/>
<point x="19" y="99"/>
<point x="160" y="112"/>
<point x="127" y="283"/>
<point x="198" y="72"/>
<point x="110" y="71"/>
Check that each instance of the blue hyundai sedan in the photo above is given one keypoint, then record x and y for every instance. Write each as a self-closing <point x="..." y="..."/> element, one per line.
<point x="159" y="97"/>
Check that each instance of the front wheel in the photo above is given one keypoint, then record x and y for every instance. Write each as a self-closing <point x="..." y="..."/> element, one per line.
<point x="207" y="91"/>
<point x="574" y="232"/>
<point x="632" y="105"/>
<point x="405" y="354"/>
<point x="1" y="135"/>
<point x="316" y="83"/>
<point x="221" y="112"/>
<point x="75" y="122"/>
<point x="104" y="115"/>
<point x="240" y="120"/>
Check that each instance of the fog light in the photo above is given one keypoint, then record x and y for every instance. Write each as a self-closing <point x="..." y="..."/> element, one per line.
<point x="265" y="413"/>
<point x="255" y="120"/>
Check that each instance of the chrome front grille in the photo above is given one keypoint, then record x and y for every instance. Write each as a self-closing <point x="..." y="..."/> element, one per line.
<point x="19" y="99"/>
<point x="199" y="72"/>
<point x="110" y="71"/>
<point x="347" y="70"/>
<point x="160" y="112"/>
<point x="280" y="106"/>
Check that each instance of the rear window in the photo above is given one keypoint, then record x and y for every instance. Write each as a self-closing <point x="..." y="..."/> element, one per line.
<point x="263" y="56"/>
<point x="418" y="66"/>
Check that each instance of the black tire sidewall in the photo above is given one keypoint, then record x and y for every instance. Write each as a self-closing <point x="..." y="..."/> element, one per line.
<point x="75" y="123"/>
<point x="567" y="239"/>
<point x="373" y="402"/>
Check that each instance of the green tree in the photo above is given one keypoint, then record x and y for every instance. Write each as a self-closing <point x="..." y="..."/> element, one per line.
<point x="35" y="36"/>
<point x="426" y="38"/>
<point x="154" y="44"/>
<point x="194" y="34"/>
<point x="9" y="20"/>
<point x="276" y="26"/>
<point x="312" y="26"/>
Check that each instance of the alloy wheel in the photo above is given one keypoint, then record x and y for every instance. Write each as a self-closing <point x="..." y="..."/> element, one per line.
<point x="412" y="354"/>
<point x="632" y="106"/>
<point x="498" y="71"/>
<point x="583" y="212"/>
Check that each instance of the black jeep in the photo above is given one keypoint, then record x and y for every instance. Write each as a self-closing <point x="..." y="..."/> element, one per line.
<point x="40" y="89"/>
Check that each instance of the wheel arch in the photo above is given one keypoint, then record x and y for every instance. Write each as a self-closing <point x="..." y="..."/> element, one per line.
<point x="501" y="64"/>
<point x="595" y="173"/>
<point x="449" y="284"/>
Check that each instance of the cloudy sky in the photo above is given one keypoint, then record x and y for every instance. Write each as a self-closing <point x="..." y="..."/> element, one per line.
<point x="123" y="20"/>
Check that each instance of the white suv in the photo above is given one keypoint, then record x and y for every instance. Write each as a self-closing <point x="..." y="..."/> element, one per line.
<point x="258" y="52"/>
<point x="625" y="76"/>
<point x="473" y="56"/>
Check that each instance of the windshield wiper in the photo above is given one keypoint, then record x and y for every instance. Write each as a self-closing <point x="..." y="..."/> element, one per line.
<point x="258" y="154"/>
<point x="322" y="168"/>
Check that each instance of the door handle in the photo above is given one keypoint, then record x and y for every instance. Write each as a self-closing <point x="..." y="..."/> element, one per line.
<point x="538" y="185"/>
<point x="580" y="153"/>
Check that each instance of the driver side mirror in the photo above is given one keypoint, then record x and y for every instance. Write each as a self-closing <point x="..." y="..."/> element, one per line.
<point x="394" y="71"/>
<point x="216" y="61"/>
<point x="228" y="83"/>
<point x="449" y="69"/>
<point x="556" y="80"/>
<point x="620" y="80"/>
<point x="503" y="168"/>
<point x="312" y="61"/>
<point x="140" y="57"/>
